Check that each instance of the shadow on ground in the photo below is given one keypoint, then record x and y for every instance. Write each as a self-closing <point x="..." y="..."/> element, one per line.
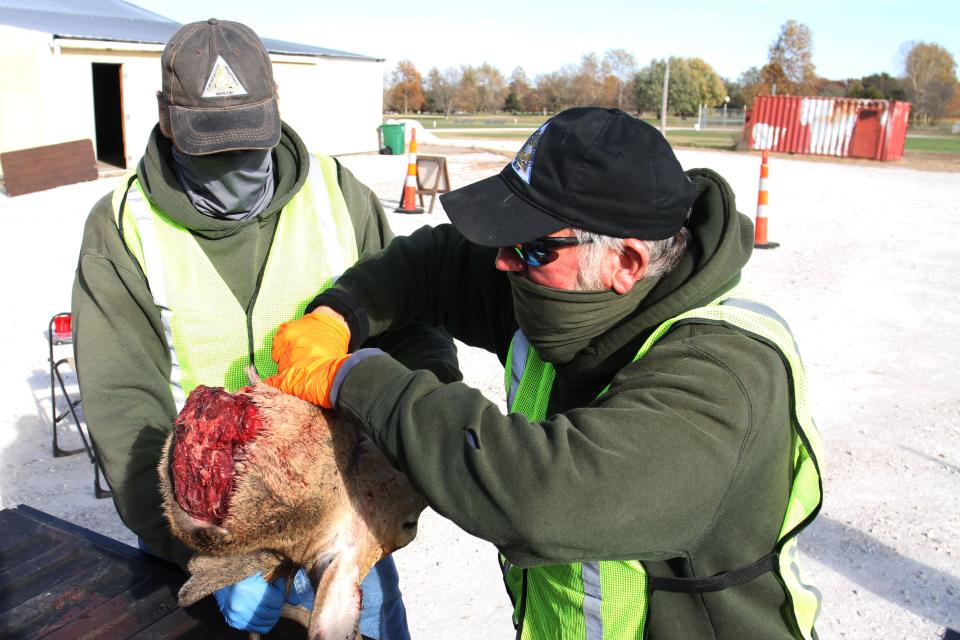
<point x="907" y="583"/>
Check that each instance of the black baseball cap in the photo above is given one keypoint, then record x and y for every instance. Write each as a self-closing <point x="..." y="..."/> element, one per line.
<point x="601" y="170"/>
<point x="219" y="89"/>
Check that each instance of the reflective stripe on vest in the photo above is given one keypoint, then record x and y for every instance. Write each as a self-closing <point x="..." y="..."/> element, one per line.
<point x="210" y="336"/>
<point x="610" y="599"/>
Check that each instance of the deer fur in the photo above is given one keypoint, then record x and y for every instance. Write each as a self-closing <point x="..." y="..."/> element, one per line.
<point x="311" y="491"/>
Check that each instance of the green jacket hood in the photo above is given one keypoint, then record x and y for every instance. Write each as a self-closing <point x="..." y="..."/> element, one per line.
<point x="161" y="186"/>
<point x="720" y="245"/>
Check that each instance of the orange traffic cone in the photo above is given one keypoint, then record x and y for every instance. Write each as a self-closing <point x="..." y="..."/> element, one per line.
<point x="760" y="226"/>
<point x="408" y="203"/>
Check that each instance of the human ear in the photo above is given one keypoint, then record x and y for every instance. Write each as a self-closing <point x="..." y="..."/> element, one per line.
<point x="631" y="265"/>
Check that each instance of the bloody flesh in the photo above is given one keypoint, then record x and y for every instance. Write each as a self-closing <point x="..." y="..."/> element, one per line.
<point x="211" y="434"/>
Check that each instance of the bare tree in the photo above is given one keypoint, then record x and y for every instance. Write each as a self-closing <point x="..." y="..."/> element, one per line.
<point x="467" y="95"/>
<point x="930" y="77"/>
<point x="519" y="93"/>
<point x="555" y="91"/>
<point x="790" y="59"/>
<point x="441" y="89"/>
<point x="491" y="88"/>
<point x="587" y="81"/>
<point x="623" y="67"/>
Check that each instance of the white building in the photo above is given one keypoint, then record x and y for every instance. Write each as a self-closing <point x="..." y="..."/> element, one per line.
<point x="91" y="68"/>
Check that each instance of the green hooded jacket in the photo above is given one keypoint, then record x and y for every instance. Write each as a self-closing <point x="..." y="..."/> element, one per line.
<point x="123" y="362"/>
<point x="683" y="463"/>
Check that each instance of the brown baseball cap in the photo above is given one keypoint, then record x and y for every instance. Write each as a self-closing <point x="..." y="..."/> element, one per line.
<point x="219" y="89"/>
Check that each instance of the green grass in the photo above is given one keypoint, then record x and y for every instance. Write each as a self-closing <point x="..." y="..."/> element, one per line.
<point x="933" y="144"/>
<point x="520" y="134"/>
<point x="703" y="139"/>
<point x="476" y="121"/>
<point x="499" y="120"/>
<point x="920" y="139"/>
<point x="676" y="137"/>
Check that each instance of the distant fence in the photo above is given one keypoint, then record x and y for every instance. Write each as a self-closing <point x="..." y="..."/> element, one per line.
<point x="721" y="117"/>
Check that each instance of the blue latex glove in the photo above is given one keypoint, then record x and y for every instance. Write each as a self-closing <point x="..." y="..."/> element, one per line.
<point x="254" y="604"/>
<point x="302" y="592"/>
<point x="383" y="615"/>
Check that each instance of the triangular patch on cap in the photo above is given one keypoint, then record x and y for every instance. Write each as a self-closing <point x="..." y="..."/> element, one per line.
<point x="222" y="82"/>
<point x="523" y="163"/>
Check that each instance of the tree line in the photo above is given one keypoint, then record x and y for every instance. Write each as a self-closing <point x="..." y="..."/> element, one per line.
<point x="614" y="79"/>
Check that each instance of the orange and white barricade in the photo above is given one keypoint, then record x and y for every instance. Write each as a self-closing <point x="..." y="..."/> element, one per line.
<point x="408" y="202"/>
<point x="760" y="225"/>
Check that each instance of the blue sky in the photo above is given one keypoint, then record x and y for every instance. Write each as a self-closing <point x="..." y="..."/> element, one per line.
<point x="851" y="38"/>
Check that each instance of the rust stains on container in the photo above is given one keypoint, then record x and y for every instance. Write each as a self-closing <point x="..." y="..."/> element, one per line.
<point x="842" y="127"/>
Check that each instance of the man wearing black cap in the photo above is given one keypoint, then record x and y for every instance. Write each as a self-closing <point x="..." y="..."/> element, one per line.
<point x="659" y="456"/>
<point x="227" y="228"/>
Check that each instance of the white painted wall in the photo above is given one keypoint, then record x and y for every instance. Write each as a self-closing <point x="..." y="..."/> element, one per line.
<point x="334" y="104"/>
<point x="26" y="65"/>
<point x="46" y="95"/>
<point x="139" y="83"/>
<point x="49" y="95"/>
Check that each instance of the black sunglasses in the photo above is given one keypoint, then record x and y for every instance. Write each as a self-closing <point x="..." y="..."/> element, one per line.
<point x="540" y="251"/>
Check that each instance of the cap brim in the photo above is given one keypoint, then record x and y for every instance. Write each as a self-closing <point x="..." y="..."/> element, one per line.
<point x="490" y="214"/>
<point x="199" y="132"/>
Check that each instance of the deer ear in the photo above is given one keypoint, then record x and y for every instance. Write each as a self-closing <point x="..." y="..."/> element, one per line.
<point x="207" y="573"/>
<point x="336" y="609"/>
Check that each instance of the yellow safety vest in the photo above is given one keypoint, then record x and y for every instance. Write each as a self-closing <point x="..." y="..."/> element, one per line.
<point x="608" y="600"/>
<point x="210" y="336"/>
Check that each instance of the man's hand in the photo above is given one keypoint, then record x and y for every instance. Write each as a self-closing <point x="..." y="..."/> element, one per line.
<point x="308" y="353"/>
<point x="252" y="604"/>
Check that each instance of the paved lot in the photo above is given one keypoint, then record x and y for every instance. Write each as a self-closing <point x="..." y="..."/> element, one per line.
<point x="867" y="276"/>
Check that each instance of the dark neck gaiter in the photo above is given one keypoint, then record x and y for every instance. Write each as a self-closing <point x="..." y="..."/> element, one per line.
<point x="559" y="323"/>
<point x="227" y="186"/>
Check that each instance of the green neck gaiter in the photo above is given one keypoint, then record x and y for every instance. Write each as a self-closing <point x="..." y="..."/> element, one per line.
<point x="559" y="323"/>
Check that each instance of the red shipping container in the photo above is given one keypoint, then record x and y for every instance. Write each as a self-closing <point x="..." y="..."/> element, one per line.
<point x="843" y="127"/>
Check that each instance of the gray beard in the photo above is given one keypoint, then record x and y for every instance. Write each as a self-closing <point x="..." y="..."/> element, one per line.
<point x="227" y="186"/>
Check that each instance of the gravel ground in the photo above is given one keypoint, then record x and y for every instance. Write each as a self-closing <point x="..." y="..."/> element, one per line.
<point x="866" y="276"/>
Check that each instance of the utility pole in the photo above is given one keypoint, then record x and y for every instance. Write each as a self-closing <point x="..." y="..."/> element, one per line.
<point x="663" y="104"/>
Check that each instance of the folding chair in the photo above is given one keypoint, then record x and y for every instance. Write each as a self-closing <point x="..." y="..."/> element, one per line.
<point x="60" y="332"/>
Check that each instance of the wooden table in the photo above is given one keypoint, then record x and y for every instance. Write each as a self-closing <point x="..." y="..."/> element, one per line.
<point x="58" y="580"/>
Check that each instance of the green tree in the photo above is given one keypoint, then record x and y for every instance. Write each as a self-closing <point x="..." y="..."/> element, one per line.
<point x="648" y="87"/>
<point x="692" y="83"/>
<point x="930" y="79"/>
<point x="878" y="86"/>
<point x="709" y="86"/>
<point x="406" y="88"/>
<point x="735" y="90"/>
<point x="683" y="97"/>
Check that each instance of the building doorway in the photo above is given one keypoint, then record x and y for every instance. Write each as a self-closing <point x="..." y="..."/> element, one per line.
<point x="108" y="114"/>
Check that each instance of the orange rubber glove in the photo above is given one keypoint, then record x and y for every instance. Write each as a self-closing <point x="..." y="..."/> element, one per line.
<point x="308" y="353"/>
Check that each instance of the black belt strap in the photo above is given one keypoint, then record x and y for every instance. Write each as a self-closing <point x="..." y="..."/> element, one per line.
<point x="718" y="582"/>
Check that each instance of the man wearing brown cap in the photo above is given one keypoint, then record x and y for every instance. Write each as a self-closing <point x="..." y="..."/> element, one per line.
<point x="227" y="228"/>
<point x="659" y="457"/>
